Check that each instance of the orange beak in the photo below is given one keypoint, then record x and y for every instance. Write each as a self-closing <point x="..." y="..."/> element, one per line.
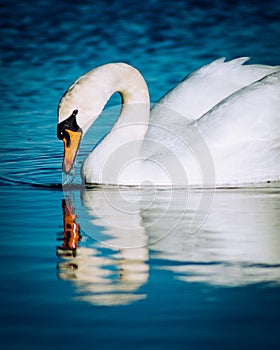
<point x="71" y="146"/>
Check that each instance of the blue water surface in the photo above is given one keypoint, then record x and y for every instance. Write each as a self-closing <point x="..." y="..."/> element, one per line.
<point x="212" y="287"/>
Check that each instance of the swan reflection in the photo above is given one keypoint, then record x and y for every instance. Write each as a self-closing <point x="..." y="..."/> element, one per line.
<point x="239" y="243"/>
<point x="101" y="276"/>
<point x="223" y="238"/>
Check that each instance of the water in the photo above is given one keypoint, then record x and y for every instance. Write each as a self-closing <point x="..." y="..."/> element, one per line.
<point x="200" y="270"/>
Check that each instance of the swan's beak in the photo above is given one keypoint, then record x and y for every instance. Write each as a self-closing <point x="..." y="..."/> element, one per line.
<point x="71" y="146"/>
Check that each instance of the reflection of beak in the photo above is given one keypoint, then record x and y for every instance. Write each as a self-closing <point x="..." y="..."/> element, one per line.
<point x="71" y="230"/>
<point x="71" y="146"/>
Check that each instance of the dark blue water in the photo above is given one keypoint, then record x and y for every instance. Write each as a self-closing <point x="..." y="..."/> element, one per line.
<point x="203" y="277"/>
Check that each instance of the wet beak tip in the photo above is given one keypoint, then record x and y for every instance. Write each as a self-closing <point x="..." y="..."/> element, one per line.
<point x="66" y="167"/>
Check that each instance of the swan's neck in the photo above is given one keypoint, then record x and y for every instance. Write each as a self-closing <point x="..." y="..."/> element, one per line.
<point x="90" y="93"/>
<point x="134" y="117"/>
<point x="129" y="83"/>
<point x="123" y="144"/>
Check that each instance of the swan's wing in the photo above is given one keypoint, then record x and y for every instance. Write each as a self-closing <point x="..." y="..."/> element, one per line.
<point x="197" y="94"/>
<point x="207" y="86"/>
<point x="256" y="103"/>
<point x="243" y="132"/>
<point x="240" y="137"/>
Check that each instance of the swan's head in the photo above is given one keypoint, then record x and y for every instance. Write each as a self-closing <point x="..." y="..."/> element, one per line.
<point x="78" y="109"/>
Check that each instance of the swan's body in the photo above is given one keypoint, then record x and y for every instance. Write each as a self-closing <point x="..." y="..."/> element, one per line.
<point x="219" y="126"/>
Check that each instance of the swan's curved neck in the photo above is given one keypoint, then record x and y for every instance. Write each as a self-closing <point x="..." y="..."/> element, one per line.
<point x="122" y="78"/>
<point x="129" y="83"/>
<point x="90" y="93"/>
<point x="135" y="110"/>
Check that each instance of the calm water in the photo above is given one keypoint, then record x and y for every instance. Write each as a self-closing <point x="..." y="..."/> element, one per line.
<point x="148" y="268"/>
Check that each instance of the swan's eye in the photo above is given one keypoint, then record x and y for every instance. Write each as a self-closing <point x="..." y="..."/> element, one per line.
<point x="63" y="134"/>
<point x="60" y="135"/>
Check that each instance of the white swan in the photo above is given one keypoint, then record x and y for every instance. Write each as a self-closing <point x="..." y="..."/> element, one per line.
<point x="219" y="126"/>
